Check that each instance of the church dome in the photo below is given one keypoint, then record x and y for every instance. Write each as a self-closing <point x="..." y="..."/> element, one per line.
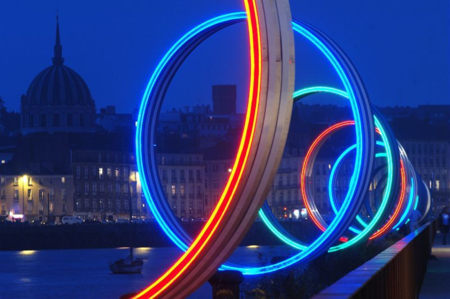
<point x="58" y="85"/>
<point x="58" y="99"/>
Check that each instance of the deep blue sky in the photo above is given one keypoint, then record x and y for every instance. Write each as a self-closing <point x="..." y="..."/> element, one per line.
<point x="401" y="48"/>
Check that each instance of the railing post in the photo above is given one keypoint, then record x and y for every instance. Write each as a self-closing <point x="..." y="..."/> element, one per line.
<point x="225" y="284"/>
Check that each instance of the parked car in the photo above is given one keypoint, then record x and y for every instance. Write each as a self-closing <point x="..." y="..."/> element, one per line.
<point x="71" y="220"/>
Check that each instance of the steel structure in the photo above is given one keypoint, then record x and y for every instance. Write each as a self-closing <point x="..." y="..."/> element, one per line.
<point x="270" y="101"/>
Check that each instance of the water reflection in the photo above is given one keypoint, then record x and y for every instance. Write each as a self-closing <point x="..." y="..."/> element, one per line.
<point x="83" y="273"/>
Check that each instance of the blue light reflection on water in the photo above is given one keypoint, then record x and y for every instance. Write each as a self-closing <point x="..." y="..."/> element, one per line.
<point x="84" y="273"/>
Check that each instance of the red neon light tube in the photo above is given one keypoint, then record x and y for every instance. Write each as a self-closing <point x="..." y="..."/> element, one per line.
<point x="176" y="271"/>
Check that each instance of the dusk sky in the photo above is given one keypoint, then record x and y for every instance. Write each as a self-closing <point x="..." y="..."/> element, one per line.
<point x="401" y="48"/>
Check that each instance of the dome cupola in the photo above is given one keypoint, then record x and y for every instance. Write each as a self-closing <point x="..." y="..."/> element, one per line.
<point x="58" y="99"/>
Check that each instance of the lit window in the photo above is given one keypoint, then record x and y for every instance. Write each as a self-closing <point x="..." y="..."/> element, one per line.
<point x="63" y="180"/>
<point x="100" y="173"/>
<point x="174" y="190"/>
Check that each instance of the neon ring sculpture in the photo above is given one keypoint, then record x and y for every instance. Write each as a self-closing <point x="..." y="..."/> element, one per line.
<point x="272" y="62"/>
<point x="312" y="210"/>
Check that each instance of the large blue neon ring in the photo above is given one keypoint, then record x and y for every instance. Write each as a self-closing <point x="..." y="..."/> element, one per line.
<point x="364" y="135"/>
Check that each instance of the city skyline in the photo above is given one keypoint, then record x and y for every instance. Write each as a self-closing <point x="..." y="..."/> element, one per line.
<point x="96" y="49"/>
<point x="276" y="140"/>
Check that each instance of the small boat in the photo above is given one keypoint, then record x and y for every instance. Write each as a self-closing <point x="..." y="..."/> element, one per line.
<point x="129" y="265"/>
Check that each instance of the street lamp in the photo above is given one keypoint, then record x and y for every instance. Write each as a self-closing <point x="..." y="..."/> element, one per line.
<point x="24" y="180"/>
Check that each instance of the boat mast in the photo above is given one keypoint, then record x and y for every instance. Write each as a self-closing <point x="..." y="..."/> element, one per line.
<point x="130" y="225"/>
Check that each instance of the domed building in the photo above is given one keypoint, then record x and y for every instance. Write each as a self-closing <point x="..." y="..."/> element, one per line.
<point x="58" y="99"/>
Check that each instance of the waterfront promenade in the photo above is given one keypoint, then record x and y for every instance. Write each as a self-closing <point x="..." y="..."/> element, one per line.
<point x="436" y="284"/>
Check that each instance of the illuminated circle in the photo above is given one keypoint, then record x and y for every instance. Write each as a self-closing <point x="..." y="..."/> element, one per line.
<point x="392" y="154"/>
<point x="242" y="196"/>
<point x="307" y="171"/>
<point x="261" y="145"/>
<point x="168" y="222"/>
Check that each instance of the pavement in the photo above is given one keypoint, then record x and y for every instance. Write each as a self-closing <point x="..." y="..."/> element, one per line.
<point x="436" y="284"/>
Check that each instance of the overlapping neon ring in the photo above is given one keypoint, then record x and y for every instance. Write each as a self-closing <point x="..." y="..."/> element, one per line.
<point x="224" y="229"/>
<point x="312" y="210"/>
<point x="388" y="196"/>
<point x="406" y="206"/>
<point x="157" y="202"/>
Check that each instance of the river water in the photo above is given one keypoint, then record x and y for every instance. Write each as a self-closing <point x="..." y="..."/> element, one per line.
<point x="84" y="273"/>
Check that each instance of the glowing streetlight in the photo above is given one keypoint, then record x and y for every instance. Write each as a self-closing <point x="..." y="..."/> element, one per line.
<point x="24" y="180"/>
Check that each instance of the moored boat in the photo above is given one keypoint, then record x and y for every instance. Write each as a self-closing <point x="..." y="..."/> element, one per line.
<point x="129" y="265"/>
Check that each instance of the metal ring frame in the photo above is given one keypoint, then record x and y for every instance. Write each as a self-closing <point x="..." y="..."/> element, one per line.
<point x="259" y="154"/>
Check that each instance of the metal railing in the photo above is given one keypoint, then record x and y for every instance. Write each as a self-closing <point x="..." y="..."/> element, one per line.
<point x="397" y="272"/>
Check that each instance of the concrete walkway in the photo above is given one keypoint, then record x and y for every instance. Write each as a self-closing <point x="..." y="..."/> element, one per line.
<point x="436" y="284"/>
